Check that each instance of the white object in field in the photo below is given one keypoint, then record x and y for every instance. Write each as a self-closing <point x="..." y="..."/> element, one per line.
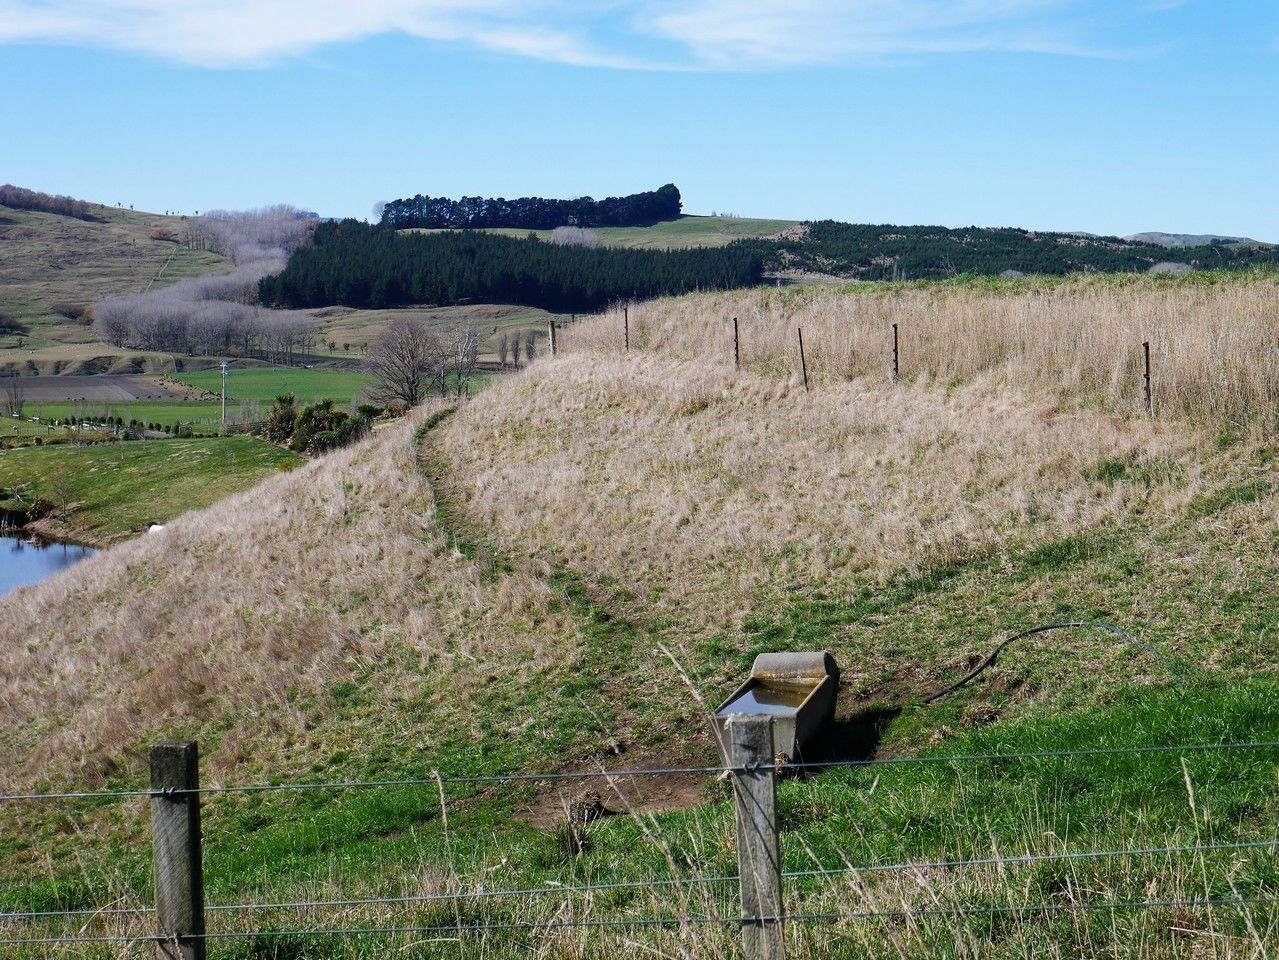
<point x="155" y="528"/>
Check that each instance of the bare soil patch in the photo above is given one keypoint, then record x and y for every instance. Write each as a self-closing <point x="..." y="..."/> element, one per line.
<point x="104" y="387"/>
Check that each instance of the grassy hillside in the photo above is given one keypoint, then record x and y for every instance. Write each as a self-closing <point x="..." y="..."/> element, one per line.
<point x="352" y="330"/>
<point x="1214" y="348"/>
<point x="54" y="266"/>
<point x="687" y="231"/>
<point x="571" y="568"/>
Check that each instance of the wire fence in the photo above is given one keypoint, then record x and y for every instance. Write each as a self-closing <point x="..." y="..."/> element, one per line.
<point x="31" y="928"/>
<point x="458" y="929"/>
<point x="627" y="773"/>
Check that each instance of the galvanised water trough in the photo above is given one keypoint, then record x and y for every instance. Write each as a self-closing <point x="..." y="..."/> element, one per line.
<point x="796" y="689"/>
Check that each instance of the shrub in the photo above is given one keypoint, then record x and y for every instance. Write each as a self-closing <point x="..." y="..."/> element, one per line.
<point x="280" y="421"/>
<point x="320" y="428"/>
<point x="73" y="311"/>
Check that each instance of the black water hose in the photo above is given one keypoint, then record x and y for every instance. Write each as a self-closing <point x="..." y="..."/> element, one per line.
<point x="1044" y="628"/>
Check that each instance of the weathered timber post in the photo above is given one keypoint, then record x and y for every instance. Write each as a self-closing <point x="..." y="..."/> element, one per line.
<point x="759" y="863"/>
<point x="737" y="347"/>
<point x="897" y="370"/>
<point x="626" y="328"/>
<point x="554" y="344"/>
<point x="803" y="364"/>
<point x="1150" y="396"/>
<point x="175" y="839"/>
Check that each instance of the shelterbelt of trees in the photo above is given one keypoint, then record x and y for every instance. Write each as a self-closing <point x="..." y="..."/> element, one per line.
<point x="20" y="198"/>
<point x="534" y="213"/>
<point x="361" y="265"/>
<point x="885" y="252"/>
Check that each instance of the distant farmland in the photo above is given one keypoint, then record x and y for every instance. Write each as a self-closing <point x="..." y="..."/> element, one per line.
<point x="687" y="231"/>
<point x="266" y="383"/>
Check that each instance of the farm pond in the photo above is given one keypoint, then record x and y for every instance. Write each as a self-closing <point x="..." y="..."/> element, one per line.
<point x="24" y="561"/>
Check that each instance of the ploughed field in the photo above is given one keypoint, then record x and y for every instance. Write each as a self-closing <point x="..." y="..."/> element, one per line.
<point x="102" y="387"/>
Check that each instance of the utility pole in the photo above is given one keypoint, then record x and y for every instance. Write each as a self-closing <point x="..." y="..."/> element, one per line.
<point x="222" y="431"/>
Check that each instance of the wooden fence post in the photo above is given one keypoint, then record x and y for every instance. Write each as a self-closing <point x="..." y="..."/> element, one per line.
<point x="1150" y="396"/>
<point x="758" y="850"/>
<point x="737" y="347"/>
<point x="175" y="839"/>
<point x="626" y="328"/>
<point x="554" y="345"/>
<point x="803" y="364"/>
<point x="897" y="370"/>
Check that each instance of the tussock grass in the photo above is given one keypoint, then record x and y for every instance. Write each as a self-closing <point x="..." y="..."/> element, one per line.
<point x="241" y="619"/>
<point x="354" y="618"/>
<point x="1214" y="346"/>
<point x="699" y="489"/>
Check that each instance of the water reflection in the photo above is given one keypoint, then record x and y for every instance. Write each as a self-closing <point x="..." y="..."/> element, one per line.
<point x="24" y="561"/>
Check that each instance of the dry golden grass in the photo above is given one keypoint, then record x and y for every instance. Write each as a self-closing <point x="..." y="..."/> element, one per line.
<point x="1009" y="906"/>
<point x="699" y="488"/>
<point x="1214" y="347"/>
<point x="241" y="617"/>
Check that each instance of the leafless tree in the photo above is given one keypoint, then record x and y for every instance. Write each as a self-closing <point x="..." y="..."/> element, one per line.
<point x="574" y="237"/>
<point x="462" y="347"/>
<point x="15" y="395"/>
<point x="515" y="350"/>
<point x="403" y="360"/>
<point x="530" y="345"/>
<point x="213" y="314"/>
<point x="503" y="350"/>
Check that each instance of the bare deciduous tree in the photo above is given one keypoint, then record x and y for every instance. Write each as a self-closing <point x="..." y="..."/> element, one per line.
<point x="15" y="395"/>
<point x="463" y="353"/>
<point x="214" y="314"/>
<point x="574" y="237"/>
<point x="515" y="350"/>
<point x="403" y="359"/>
<point x="530" y="345"/>
<point x="503" y="350"/>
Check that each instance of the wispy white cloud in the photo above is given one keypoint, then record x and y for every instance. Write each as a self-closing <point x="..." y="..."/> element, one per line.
<point x="628" y="34"/>
<point x="729" y="32"/>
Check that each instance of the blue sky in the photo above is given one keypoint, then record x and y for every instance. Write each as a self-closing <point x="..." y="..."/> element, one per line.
<point x="1112" y="116"/>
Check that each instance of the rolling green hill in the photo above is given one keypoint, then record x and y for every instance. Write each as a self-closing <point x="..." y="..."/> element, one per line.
<point x="55" y="266"/>
<point x="687" y="231"/>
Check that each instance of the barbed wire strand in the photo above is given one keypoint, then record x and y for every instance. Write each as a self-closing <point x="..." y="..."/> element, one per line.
<point x="623" y="774"/>
<point x="569" y="889"/>
<point x="459" y="929"/>
<point x="1022" y="859"/>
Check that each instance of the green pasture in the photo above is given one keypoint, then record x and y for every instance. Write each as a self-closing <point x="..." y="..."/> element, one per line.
<point x="688" y="231"/>
<point x="168" y="413"/>
<point x="263" y="384"/>
<point x="108" y="492"/>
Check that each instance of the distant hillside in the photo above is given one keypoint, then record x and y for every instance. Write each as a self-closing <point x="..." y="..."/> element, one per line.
<point x="889" y="252"/>
<point x="1185" y="239"/>
<point x="687" y="231"/>
<point x="54" y="265"/>
<point x="352" y="263"/>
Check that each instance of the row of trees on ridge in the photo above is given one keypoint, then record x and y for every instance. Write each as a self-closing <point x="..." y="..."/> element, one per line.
<point x="534" y="213"/>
